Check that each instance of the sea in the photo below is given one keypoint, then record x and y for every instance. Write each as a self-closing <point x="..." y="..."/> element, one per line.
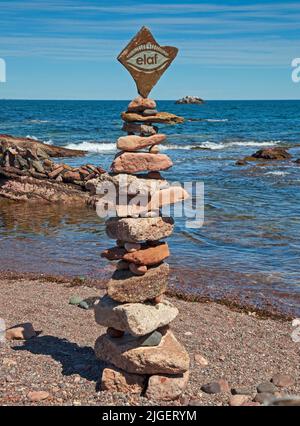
<point x="247" y="253"/>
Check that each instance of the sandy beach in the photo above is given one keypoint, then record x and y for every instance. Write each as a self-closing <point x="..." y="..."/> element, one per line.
<point x="240" y="347"/>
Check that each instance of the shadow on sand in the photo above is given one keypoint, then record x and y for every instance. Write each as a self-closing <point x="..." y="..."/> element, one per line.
<point x="74" y="359"/>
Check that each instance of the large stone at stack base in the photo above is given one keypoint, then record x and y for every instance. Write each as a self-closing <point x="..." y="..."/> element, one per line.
<point x="166" y="387"/>
<point x="116" y="380"/>
<point x="138" y="319"/>
<point x="135" y="230"/>
<point x="169" y="357"/>
<point x="126" y="287"/>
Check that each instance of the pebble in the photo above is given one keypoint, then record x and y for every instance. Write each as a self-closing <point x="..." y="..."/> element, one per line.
<point x="132" y="247"/>
<point x="84" y="305"/>
<point x="283" y="380"/>
<point x="266" y="387"/>
<point x="138" y="270"/>
<point x="75" y="300"/>
<point x="238" y="400"/>
<point x="113" y="332"/>
<point x="154" y="149"/>
<point x="219" y="386"/>
<point x="149" y="112"/>
<point x="37" y="396"/>
<point x="251" y="404"/>
<point x="22" y="332"/>
<point x="200" y="360"/>
<point x="263" y="398"/>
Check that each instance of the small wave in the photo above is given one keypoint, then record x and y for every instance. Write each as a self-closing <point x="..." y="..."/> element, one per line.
<point x="92" y="146"/>
<point x="38" y="121"/>
<point x="32" y="137"/>
<point x="277" y="173"/>
<point x="49" y="142"/>
<point x="216" y="120"/>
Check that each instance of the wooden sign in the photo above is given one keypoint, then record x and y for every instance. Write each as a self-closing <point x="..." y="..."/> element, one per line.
<point x="146" y="60"/>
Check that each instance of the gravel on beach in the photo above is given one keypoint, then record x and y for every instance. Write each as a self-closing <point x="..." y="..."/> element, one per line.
<point x="58" y="367"/>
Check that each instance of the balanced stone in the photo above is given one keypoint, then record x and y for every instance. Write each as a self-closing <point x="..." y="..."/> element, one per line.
<point x="139" y="104"/>
<point x="116" y="380"/>
<point x="137" y="319"/>
<point x="167" y="196"/>
<point x="166" y="387"/>
<point x="138" y="269"/>
<point x="137" y="230"/>
<point x="129" y="162"/>
<point x="161" y="117"/>
<point x="125" y="184"/>
<point x="126" y="287"/>
<point x="149" y="255"/>
<point x="142" y="129"/>
<point x="149" y="112"/>
<point x="169" y="357"/>
<point x="134" y="143"/>
<point x="114" y="253"/>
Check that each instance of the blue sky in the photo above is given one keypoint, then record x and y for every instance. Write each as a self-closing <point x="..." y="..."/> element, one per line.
<point x="67" y="49"/>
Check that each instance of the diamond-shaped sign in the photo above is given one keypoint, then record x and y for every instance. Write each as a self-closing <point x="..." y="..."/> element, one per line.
<point x="146" y="60"/>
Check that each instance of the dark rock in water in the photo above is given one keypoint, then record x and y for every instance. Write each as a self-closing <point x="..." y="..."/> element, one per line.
<point x="241" y="163"/>
<point x="297" y="161"/>
<point x="190" y="100"/>
<point x="272" y="154"/>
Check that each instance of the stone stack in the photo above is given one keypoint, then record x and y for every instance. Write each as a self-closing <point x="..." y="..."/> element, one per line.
<point x="142" y="353"/>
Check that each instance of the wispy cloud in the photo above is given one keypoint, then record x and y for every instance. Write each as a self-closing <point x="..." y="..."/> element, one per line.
<point x="260" y="34"/>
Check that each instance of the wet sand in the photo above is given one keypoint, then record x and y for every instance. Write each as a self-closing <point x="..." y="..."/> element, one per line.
<point x="240" y="347"/>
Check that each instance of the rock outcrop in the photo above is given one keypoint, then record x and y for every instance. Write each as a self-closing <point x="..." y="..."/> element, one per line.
<point x="190" y="100"/>
<point x="50" y="150"/>
<point x="266" y="154"/>
<point x="28" y="174"/>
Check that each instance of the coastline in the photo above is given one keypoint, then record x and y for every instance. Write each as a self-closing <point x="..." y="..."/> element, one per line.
<point x="235" y="305"/>
<point x="240" y="347"/>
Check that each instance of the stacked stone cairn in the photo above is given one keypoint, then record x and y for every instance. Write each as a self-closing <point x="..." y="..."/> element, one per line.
<point x="141" y="354"/>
